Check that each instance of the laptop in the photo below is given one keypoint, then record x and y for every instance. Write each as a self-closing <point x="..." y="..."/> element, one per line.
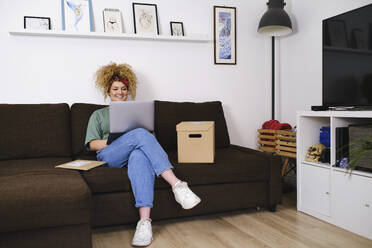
<point x="128" y="115"/>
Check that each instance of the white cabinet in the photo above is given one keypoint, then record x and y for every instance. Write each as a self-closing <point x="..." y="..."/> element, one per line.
<point x="352" y="202"/>
<point x="326" y="192"/>
<point x="316" y="189"/>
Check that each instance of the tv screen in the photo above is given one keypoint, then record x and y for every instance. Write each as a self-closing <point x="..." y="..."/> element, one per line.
<point x="347" y="59"/>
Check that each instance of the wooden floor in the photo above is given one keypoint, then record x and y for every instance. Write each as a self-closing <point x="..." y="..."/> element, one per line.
<point x="284" y="228"/>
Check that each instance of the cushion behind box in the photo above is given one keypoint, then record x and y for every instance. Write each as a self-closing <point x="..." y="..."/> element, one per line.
<point x="34" y="130"/>
<point x="80" y="114"/>
<point x="169" y="114"/>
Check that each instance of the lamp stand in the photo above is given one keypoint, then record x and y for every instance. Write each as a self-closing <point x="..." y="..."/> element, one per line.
<point x="273" y="77"/>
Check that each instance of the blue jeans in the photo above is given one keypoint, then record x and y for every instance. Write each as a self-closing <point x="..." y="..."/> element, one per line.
<point x="144" y="156"/>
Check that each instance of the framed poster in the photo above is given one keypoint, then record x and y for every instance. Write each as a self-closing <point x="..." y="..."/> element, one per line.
<point x="224" y="35"/>
<point x="77" y="15"/>
<point x="36" y="23"/>
<point x="145" y="18"/>
<point x="112" y="21"/>
<point x="177" y="28"/>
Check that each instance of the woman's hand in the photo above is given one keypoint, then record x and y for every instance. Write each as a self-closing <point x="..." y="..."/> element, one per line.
<point x="96" y="145"/>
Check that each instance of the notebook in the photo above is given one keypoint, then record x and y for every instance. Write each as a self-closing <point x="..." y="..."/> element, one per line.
<point x="81" y="164"/>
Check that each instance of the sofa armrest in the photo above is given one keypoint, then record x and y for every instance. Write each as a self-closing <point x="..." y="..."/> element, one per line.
<point x="275" y="181"/>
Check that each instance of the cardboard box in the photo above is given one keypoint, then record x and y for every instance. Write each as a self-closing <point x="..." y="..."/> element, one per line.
<point x="81" y="164"/>
<point x="195" y="142"/>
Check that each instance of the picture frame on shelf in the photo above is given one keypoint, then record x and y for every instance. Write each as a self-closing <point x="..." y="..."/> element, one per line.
<point x="337" y="33"/>
<point x="112" y="21"/>
<point x="224" y="35"/>
<point x="36" y="23"/>
<point x="145" y="17"/>
<point x="77" y="15"/>
<point x="177" y="29"/>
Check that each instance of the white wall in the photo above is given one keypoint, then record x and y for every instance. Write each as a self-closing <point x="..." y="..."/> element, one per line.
<point x="51" y="70"/>
<point x="300" y="55"/>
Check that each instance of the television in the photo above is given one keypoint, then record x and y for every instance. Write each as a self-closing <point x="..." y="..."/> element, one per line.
<point x="347" y="59"/>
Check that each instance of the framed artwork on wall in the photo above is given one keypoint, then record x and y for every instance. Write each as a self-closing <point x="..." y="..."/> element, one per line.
<point x="36" y="23"/>
<point x="112" y="21"/>
<point x="77" y="15"/>
<point x="224" y="35"/>
<point x="145" y="18"/>
<point x="177" y="29"/>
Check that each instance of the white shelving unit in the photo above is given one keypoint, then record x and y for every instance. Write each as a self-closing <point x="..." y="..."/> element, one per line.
<point x="121" y="36"/>
<point x="335" y="195"/>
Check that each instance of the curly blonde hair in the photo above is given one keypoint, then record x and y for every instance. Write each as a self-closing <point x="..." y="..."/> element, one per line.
<point x="105" y="76"/>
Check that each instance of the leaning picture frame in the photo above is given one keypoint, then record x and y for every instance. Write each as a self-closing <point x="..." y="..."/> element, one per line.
<point x="177" y="29"/>
<point x="112" y="21"/>
<point x="224" y="35"/>
<point x="77" y="15"/>
<point x="145" y="17"/>
<point x="36" y="23"/>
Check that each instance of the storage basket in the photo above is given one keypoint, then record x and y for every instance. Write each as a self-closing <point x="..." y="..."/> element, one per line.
<point x="285" y="143"/>
<point x="266" y="140"/>
<point x="280" y="142"/>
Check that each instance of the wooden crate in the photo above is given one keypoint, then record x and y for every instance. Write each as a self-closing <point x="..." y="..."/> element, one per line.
<point x="285" y="143"/>
<point x="280" y="142"/>
<point x="266" y="140"/>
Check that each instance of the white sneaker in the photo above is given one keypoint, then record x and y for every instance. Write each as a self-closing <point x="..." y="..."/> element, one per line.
<point x="143" y="235"/>
<point x="185" y="196"/>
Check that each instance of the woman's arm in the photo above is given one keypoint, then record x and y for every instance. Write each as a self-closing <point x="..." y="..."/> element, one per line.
<point x="96" y="145"/>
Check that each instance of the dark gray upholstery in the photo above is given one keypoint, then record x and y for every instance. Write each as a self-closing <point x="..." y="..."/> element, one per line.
<point x="42" y="206"/>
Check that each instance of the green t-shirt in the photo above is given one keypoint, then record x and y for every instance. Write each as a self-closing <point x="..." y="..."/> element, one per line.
<point x="98" y="126"/>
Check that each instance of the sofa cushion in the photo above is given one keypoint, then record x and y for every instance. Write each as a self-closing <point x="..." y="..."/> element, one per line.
<point x="231" y="166"/>
<point x="41" y="199"/>
<point x="22" y="166"/>
<point x="107" y="180"/>
<point x="169" y="114"/>
<point x="34" y="130"/>
<point x="80" y="114"/>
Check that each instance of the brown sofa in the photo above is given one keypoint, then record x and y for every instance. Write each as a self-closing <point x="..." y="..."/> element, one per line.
<point x="41" y="206"/>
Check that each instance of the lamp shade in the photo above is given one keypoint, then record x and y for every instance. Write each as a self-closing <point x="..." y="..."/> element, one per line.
<point x="275" y="21"/>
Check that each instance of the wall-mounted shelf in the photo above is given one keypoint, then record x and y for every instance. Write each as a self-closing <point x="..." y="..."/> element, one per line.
<point x="121" y="36"/>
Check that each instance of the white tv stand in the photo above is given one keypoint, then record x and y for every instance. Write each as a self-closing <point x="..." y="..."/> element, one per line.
<point x="329" y="193"/>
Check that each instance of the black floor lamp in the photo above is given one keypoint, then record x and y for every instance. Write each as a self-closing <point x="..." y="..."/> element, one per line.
<point x="275" y="22"/>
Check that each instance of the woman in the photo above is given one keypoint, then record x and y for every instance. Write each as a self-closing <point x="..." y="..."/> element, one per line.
<point x="137" y="149"/>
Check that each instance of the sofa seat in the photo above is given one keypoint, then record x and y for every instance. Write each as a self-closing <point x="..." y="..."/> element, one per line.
<point x="231" y="166"/>
<point x="43" y="198"/>
<point x="32" y="165"/>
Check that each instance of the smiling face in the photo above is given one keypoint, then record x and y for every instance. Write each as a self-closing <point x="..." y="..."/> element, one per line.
<point x="118" y="91"/>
